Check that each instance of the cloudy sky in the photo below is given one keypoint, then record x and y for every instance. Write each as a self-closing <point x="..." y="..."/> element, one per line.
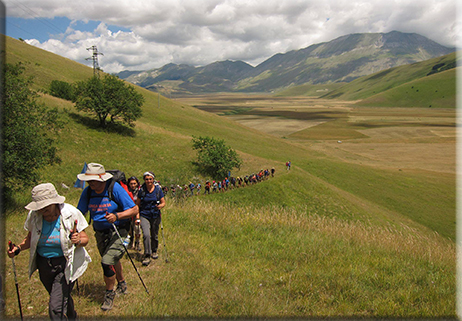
<point x="146" y="34"/>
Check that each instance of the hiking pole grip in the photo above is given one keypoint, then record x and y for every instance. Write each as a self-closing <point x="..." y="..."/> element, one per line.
<point x="11" y="247"/>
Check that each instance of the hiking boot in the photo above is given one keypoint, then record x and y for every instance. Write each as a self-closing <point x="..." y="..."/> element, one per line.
<point x="108" y="300"/>
<point x="154" y="255"/>
<point x="121" y="287"/>
<point x="146" y="260"/>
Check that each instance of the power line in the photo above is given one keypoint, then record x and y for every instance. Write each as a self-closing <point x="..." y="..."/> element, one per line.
<point x="16" y="26"/>
<point x="33" y="14"/>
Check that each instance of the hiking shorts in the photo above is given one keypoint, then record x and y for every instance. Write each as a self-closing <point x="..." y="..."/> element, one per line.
<point x="110" y="246"/>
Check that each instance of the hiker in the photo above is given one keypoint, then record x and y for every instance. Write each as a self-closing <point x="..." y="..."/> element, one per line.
<point x="150" y="201"/>
<point x="135" y="228"/>
<point x="272" y="171"/>
<point x="198" y="187"/>
<point x="191" y="188"/>
<point x="56" y="239"/>
<point x="288" y="164"/>
<point x="165" y="190"/>
<point x="207" y="187"/>
<point x="108" y="212"/>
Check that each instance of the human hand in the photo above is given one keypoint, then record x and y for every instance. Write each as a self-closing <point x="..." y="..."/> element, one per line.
<point x="13" y="250"/>
<point x="110" y="217"/>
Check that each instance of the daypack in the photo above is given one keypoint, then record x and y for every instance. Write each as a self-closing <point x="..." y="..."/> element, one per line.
<point x="119" y="177"/>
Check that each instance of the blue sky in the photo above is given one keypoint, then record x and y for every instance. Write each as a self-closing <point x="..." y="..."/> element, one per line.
<point x="146" y="34"/>
<point x="43" y="29"/>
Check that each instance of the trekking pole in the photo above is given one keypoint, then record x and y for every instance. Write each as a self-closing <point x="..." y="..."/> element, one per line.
<point x="163" y="239"/>
<point x="10" y="244"/>
<point x="126" y="251"/>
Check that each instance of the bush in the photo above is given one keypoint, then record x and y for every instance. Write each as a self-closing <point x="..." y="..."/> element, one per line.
<point x="62" y="89"/>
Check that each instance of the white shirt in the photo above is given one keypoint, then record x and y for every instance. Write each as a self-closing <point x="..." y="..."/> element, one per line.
<point x="77" y="258"/>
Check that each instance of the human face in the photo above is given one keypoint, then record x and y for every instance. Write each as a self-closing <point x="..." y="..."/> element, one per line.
<point x="50" y="213"/>
<point x="133" y="185"/>
<point x="97" y="186"/>
<point x="149" y="180"/>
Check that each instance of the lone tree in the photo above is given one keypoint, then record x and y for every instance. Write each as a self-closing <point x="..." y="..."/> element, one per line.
<point x="214" y="158"/>
<point x="108" y="97"/>
<point x="28" y="133"/>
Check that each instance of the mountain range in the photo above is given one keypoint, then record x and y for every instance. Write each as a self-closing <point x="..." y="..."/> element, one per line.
<point x="340" y="60"/>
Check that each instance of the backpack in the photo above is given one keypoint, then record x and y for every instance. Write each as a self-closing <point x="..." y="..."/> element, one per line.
<point x="119" y="177"/>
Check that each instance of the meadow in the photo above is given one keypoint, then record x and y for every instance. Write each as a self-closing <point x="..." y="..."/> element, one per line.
<point x="362" y="226"/>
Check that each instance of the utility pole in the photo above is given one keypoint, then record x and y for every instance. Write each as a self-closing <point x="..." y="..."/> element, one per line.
<point x="94" y="57"/>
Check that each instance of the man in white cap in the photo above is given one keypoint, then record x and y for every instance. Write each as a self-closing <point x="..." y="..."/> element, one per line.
<point x="106" y="211"/>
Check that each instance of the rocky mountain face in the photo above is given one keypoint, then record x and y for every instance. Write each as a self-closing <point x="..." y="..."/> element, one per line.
<point x="340" y="60"/>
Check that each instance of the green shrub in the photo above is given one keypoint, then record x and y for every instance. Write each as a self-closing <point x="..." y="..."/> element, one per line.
<point x="62" y="89"/>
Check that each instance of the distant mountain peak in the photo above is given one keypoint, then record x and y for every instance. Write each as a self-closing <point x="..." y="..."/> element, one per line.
<point x="340" y="60"/>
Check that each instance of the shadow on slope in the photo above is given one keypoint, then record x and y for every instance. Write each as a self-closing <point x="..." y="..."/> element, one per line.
<point x="91" y="123"/>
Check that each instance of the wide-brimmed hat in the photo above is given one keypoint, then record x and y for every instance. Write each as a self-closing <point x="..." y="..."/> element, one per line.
<point x="95" y="172"/>
<point x="44" y="195"/>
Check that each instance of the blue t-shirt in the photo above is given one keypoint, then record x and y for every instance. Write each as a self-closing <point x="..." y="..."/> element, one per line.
<point x="49" y="244"/>
<point x="99" y="204"/>
<point x="148" y="205"/>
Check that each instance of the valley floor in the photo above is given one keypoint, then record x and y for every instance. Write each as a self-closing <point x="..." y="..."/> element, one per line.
<point x="393" y="138"/>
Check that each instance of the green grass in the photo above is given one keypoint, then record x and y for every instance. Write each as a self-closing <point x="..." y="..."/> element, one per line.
<point x="386" y="82"/>
<point x="435" y="91"/>
<point x="326" y="239"/>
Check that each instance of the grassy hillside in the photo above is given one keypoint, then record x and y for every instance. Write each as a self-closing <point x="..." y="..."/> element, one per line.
<point x="44" y="66"/>
<point x="438" y="90"/>
<point x="326" y="239"/>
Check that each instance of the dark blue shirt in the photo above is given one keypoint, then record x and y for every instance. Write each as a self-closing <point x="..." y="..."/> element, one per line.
<point x="148" y="204"/>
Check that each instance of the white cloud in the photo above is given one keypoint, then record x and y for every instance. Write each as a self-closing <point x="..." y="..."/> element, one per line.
<point x="203" y="31"/>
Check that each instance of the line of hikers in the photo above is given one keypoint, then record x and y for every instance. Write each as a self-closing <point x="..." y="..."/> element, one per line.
<point x="177" y="192"/>
<point x="119" y="209"/>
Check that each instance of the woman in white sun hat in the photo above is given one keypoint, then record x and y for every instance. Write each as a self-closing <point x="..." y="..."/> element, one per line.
<point x="56" y="239"/>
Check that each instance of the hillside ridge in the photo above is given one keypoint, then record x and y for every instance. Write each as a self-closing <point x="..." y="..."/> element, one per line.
<point x="340" y="60"/>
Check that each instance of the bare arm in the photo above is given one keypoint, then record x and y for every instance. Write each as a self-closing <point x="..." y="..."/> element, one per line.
<point x="111" y="217"/>
<point x="162" y="203"/>
<point x="24" y="245"/>
<point x="79" y="239"/>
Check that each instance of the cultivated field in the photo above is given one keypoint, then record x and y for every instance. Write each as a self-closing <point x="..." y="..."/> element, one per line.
<point x="401" y="138"/>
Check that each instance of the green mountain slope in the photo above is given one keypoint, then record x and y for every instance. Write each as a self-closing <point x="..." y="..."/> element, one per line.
<point x="326" y="238"/>
<point x="437" y="91"/>
<point x="368" y="86"/>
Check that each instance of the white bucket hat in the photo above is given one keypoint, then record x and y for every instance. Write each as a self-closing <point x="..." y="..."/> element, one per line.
<point x="95" y="172"/>
<point x="44" y="195"/>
